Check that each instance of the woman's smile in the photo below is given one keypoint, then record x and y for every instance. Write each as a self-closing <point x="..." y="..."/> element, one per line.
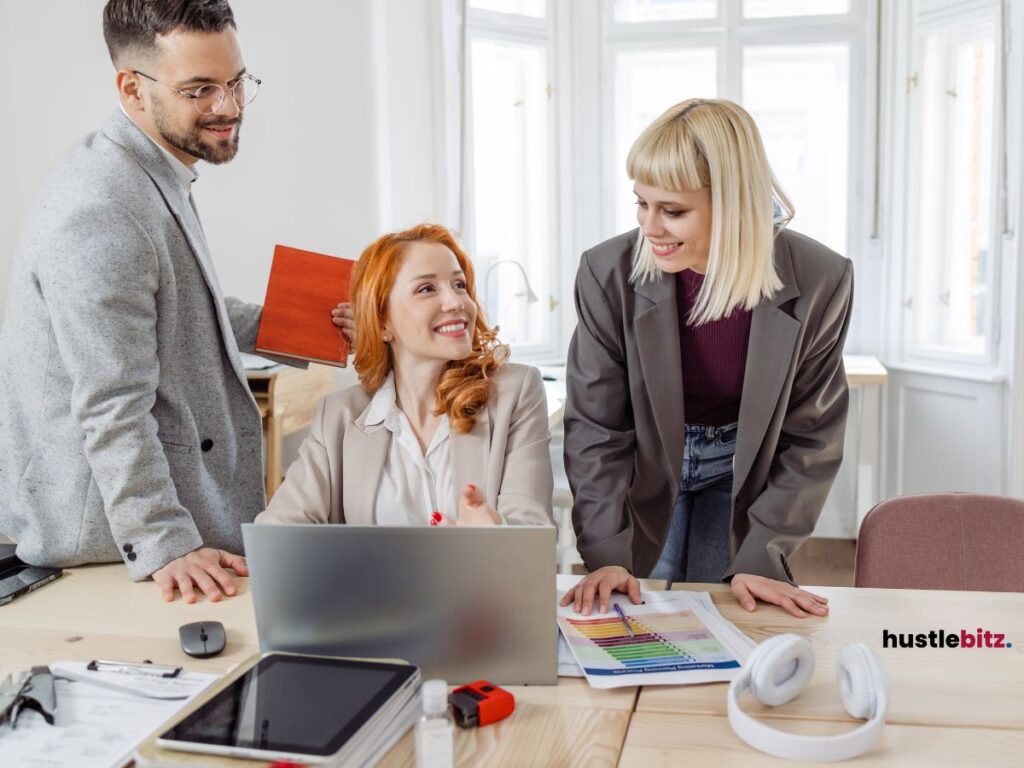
<point x="664" y="250"/>
<point x="452" y="329"/>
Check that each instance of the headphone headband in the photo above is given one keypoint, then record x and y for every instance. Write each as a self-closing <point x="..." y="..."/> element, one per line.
<point x="779" y="669"/>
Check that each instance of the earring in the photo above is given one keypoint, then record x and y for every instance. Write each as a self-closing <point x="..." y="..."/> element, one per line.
<point x="386" y="337"/>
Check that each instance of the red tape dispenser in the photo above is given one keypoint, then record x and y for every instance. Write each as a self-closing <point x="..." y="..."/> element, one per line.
<point x="481" y="703"/>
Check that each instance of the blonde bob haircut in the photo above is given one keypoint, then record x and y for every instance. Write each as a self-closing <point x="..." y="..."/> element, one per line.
<point x="714" y="143"/>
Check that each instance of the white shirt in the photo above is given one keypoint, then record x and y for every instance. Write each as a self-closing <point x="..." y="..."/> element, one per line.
<point x="182" y="172"/>
<point x="412" y="484"/>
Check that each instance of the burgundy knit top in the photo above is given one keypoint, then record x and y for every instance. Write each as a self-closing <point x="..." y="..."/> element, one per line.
<point x="714" y="356"/>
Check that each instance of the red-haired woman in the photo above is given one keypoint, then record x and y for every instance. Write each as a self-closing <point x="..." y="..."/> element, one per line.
<point x="441" y="429"/>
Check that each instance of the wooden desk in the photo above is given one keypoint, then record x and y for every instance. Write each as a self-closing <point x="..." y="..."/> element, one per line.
<point x="98" y="612"/>
<point x="287" y="398"/>
<point x="949" y="707"/>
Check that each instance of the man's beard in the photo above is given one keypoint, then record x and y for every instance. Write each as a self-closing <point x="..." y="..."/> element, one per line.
<point x="192" y="140"/>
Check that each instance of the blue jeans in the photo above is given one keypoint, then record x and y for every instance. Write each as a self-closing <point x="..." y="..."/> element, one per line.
<point x="697" y="546"/>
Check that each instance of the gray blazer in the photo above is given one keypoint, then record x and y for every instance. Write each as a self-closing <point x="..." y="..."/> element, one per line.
<point x="127" y="430"/>
<point x="624" y="415"/>
<point x="336" y="476"/>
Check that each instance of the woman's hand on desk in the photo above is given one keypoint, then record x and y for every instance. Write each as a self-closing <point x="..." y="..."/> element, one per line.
<point x="799" y="602"/>
<point x="202" y="568"/>
<point x="600" y="584"/>
<point x="473" y="510"/>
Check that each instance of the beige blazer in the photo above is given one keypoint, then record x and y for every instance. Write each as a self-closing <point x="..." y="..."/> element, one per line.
<point x="624" y="413"/>
<point x="335" y="478"/>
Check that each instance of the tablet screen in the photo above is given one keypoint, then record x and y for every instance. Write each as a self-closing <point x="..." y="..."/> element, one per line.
<point x="301" y="704"/>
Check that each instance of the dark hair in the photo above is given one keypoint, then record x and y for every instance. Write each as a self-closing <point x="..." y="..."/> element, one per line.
<point x="129" y="24"/>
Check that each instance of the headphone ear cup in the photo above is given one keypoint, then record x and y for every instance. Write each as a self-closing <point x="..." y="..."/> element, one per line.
<point x="780" y="669"/>
<point x="858" y="672"/>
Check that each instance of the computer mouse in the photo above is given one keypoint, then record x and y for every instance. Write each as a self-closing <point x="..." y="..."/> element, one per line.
<point x="202" y="638"/>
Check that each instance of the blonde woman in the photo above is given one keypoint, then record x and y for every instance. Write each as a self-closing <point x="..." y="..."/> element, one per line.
<point x="707" y="398"/>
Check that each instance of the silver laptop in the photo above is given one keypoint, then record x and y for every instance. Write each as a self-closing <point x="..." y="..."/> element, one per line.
<point x="462" y="604"/>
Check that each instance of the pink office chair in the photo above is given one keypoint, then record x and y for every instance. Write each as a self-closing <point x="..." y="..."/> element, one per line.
<point x="958" y="541"/>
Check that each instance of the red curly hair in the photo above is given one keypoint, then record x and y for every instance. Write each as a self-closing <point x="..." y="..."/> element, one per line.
<point x="465" y="385"/>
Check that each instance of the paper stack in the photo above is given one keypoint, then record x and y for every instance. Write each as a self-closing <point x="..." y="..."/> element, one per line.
<point x="98" y="724"/>
<point x="382" y="732"/>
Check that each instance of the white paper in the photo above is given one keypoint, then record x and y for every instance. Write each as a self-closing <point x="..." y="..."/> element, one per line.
<point x="378" y="744"/>
<point x="567" y="665"/>
<point x="256" y="363"/>
<point x="138" y="682"/>
<point x="95" y="726"/>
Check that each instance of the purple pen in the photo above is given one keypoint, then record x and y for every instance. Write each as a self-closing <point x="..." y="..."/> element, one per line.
<point x="622" y="617"/>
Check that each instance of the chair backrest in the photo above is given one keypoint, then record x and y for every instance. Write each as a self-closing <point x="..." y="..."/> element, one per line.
<point x="958" y="541"/>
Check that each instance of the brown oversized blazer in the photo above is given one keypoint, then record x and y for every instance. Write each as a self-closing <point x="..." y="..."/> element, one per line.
<point x="336" y="475"/>
<point x="624" y="415"/>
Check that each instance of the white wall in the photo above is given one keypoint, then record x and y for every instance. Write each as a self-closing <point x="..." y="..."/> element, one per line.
<point x="7" y="196"/>
<point x="318" y="166"/>
<point x="306" y="171"/>
<point x="407" y="80"/>
<point x="55" y="85"/>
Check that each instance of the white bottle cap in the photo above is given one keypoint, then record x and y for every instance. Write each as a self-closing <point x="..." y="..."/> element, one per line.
<point x="435" y="697"/>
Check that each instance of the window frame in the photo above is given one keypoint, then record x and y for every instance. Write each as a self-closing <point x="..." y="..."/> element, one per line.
<point x="531" y="31"/>
<point x="921" y="20"/>
<point x="729" y="34"/>
<point x="581" y="36"/>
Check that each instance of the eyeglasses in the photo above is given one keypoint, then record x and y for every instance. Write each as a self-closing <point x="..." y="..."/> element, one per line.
<point x="207" y="99"/>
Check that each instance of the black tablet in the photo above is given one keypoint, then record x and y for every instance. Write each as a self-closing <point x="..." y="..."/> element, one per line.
<point x="290" y="706"/>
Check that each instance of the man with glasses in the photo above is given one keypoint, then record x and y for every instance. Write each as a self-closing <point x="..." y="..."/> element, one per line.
<point x="127" y="430"/>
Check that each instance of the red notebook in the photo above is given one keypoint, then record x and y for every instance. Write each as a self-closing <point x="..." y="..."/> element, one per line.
<point x="303" y="289"/>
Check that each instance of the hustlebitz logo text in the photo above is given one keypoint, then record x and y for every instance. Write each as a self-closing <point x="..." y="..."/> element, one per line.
<point x="943" y="638"/>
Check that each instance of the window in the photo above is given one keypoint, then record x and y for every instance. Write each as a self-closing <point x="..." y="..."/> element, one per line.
<point x="509" y="169"/>
<point x="800" y="97"/>
<point x="762" y="9"/>
<point x="646" y="82"/>
<point x="534" y="8"/>
<point x="794" y="79"/>
<point x="665" y="10"/>
<point x="953" y="146"/>
<point x="544" y="170"/>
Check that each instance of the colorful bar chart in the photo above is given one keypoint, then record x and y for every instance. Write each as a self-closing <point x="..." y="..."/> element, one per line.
<point x="673" y="641"/>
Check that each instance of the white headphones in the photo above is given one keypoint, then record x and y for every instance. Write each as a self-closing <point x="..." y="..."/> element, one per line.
<point x="780" y="668"/>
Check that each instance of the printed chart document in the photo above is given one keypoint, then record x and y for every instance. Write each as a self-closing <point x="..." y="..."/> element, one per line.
<point x="677" y="638"/>
<point x="97" y="725"/>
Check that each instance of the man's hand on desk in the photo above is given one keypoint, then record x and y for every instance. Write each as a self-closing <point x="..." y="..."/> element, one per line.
<point x="343" y="317"/>
<point x="599" y="585"/>
<point x="799" y="602"/>
<point x="203" y="568"/>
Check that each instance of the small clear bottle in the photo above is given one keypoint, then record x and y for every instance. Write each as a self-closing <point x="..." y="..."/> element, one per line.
<point x="435" y="732"/>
